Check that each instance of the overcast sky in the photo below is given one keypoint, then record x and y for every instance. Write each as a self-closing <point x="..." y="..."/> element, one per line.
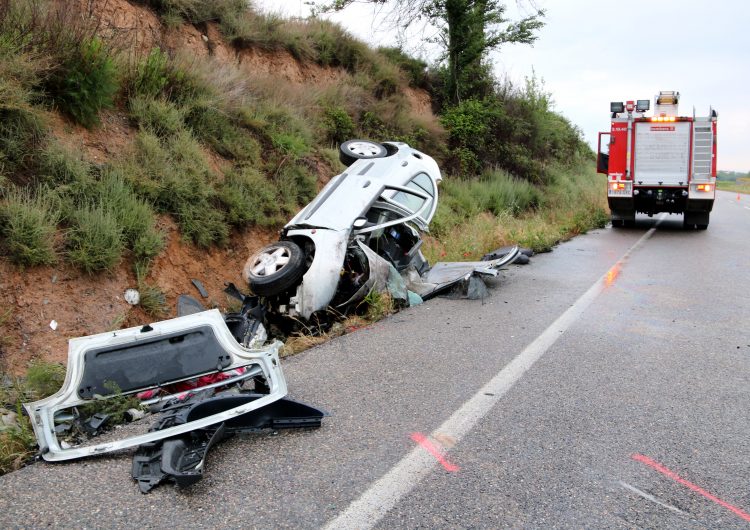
<point x="592" y="52"/>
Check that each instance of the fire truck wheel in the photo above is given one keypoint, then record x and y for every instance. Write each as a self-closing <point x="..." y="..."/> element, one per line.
<point x="617" y="223"/>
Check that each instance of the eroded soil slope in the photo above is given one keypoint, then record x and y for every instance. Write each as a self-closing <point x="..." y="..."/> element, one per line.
<point x="82" y="304"/>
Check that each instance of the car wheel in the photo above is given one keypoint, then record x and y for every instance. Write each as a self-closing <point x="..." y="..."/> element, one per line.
<point x="275" y="268"/>
<point x="353" y="150"/>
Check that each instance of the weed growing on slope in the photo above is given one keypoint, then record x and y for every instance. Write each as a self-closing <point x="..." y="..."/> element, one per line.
<point x="95" y="238"/>
<point x="338" y="125"/>
<point x="212" y="125"/>
<point x="173" y="173"/>
<point x="58" y="165"/>
<point x="295" y="185"/>
<point x="250" y="198"/>
<point x="28" y="223"/>
<point x="158" y="116"/>
<point x="85" y="82"/>
<point x="134" y="215"/>
<point x="150" y="76"/>
<point x="17" y="441"/>
<point x="43" y="379"/>
<point x="152" y="299"/>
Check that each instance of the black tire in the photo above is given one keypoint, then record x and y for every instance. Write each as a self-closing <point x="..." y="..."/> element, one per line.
<point x="275" y="268"/>
<point x="617" y="223"/>
<point x="353" y="150"/>
<point x="701" y="227"/>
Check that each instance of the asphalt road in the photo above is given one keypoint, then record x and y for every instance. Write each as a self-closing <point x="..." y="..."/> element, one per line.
<point x="590" y="390"/>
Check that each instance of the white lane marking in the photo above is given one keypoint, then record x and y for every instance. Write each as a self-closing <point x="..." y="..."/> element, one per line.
<point x="649" y="497"/>
<point x="383" y="494"/>
<point x="747" y="207"/>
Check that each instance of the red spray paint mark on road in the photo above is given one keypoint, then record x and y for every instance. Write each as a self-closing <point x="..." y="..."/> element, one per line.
<point x="674" y="476"/>
<point x="428" y="446"/>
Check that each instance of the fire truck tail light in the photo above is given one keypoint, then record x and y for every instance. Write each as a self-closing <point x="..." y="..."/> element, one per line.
<point x="703" y="187"/>
<point x="617" y="186"/>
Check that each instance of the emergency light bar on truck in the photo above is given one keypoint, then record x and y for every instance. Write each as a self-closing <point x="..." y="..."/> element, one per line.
<point x="662" y="163"/>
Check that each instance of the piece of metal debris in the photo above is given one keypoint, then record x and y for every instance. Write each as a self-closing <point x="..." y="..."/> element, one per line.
<point x="182" y="459"/>
<point x="201" y="289"/>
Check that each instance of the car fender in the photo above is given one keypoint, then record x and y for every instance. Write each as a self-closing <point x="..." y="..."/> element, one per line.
<point x="319" y="283"/>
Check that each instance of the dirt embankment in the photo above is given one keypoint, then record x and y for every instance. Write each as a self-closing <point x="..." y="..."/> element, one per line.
<point x="82" y="304"/>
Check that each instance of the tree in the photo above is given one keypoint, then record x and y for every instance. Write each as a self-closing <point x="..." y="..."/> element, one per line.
<point x="467" y="31"/>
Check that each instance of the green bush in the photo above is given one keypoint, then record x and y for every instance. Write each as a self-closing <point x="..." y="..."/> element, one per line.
<point x="288" y="133"/>
<point x="28" y="223"/>
<point x="156" y="115"/>
<point x="21" y="133"/>
<point x="495" y="192"/>
<point x="196" y="11"/>
<point x="175" y="176"/>
<point x="151" y="75"/>
<point x="95" y="238"/>
<point x="21" y="125"/>
<point x="213" y="126"/>
<point x="134" y="215"/>
<point x="338" y="125"/>
<point x="85" y="82"/>
<point x="58" y="164"/>
<point x="250" y="198"/>
<point x="415" y="69"/>
<point x="295" y="186"/>
<point x="152" y="298"/>
<point x="44" y="379"/>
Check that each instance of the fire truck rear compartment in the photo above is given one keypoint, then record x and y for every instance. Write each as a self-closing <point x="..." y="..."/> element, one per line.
<point x="653" y="200"/>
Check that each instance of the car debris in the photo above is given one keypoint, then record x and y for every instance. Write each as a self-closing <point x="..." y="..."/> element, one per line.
<point x="521" y="259"/>
<point x="159" y="363"/>
<point x="199" y="286"/>
<point x="358" y="234"/>
<point x="182" y="459"/>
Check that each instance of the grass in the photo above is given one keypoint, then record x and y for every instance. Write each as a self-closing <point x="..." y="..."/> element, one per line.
<point x="28" y="223"/>
<point x="17" y="441"/>
<point x="61" y="165"/>
<point x="741" y="185"/>
<point x="250" y="198"/>
<point x="301" y="342"/>
<point x="134" y="215"/>
<point x="573" y="204"/>
<point x="155" y="115"/>
<point x="379" y="305"/>
<point x="95" y="238"/>
<point x="173" y="173"/>
<point x="152" y="298"/>
<point x="115" y="405"/>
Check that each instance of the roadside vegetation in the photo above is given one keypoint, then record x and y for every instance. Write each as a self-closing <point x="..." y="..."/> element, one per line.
<point x="221" y="150"/>
<point x="734" y="182"/>
<point x="17" y="441"/>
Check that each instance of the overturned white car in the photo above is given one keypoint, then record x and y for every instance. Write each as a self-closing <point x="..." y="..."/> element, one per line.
<point x="363" y="225"/>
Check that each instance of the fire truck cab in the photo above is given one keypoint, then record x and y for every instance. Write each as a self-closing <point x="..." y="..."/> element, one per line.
<point x="661" y="163"/>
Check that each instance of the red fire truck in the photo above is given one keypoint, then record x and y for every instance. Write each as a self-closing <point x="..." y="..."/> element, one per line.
<point x="662" y="163"/>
